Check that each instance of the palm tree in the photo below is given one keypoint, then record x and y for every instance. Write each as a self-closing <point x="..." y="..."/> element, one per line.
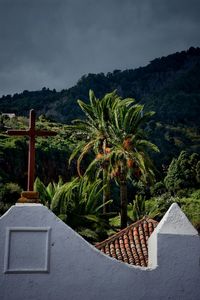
<point x="129" y="153"/>
<point x="112" y="130"/>
<point x="46" y="193"/>
<point x="91" y="133"/>
<point x="79" y="204"/>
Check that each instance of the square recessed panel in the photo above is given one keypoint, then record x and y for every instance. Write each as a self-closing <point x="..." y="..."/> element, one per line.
<point x="27" y="250"/>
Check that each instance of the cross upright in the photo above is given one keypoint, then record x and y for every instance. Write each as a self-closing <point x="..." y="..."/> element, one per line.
<point x="31" y="132"/>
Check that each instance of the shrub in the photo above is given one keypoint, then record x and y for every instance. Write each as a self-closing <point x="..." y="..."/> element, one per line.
<point x="196" y="195"/>
<point x="9" y="194"/>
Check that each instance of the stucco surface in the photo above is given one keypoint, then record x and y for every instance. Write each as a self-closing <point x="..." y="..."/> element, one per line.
<point x="175" y="222"/>
<point x="69" y="268"/>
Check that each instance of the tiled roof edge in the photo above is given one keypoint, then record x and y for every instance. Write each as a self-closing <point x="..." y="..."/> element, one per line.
<point x="121" y="232"/>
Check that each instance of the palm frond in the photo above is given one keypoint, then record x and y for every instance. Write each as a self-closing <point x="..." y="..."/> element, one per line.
<point x="147" y="145"/>
<point x="87" y="109"/>
<point x="93" y="99"/>
<point x="41" y="189"/>
<point x="88" y="233"/>
<point x="85" y="150"/>
<point x="76" y="150"/>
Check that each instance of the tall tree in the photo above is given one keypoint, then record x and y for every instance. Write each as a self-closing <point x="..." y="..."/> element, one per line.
<point x="112" y="129"/>
<point x="129" y="153"/>
<point x="92" y="133"/>
<point x="182" y="172"/>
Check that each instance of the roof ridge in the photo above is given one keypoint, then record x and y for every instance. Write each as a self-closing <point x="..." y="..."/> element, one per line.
<point x="121" y="232"/>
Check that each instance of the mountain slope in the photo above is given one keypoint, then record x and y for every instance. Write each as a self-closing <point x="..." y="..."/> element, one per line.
<point x="169" y="85"/>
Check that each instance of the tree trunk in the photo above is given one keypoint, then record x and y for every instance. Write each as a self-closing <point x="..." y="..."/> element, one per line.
<point x="106" y="190"/>
<point x="123" y="201"/>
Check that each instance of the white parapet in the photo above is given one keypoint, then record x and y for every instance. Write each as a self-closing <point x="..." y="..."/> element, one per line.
<point x="41" y="258"/>
<point x="175" y="222"/>
<point x="170" y="236"/>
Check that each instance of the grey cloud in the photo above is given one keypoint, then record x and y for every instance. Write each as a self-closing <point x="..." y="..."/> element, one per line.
<point x="53" y="43"/>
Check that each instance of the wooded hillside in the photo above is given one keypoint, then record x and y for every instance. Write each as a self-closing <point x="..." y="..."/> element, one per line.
<point x="170" y="86"/>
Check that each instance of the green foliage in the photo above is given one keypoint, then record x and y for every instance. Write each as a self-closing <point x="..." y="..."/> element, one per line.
<point x="47" y="192"/>
<point x="182" y="172"/>
<point x="136" y="210"/>
<point x="112" y="131"/>
<point x="79" y="204"/>
<point x="191" y="207"/>
<point x="169" y="85"/>
<point x="80" y="194"/>
<point x="9" y="194"/>
<point x="196" y="195"/>
<point x="52" y="153"/>
<point x="158" y="189"/>
<point x="22" y="103"/>
<point x="172" y="180"/>
<point x="115" y="221"/>
<point x="198" y="171"/>
<point x="156" y="207"/>
<point x="171" y="140"/>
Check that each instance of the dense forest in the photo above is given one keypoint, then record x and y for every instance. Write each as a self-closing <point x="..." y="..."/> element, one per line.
<point x="170" y="86"/>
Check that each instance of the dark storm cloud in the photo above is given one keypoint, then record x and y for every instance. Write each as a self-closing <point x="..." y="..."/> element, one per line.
<point x="53" y="43"/>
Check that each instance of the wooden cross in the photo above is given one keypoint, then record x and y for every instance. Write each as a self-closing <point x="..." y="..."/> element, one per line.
<point x="32" y="132"/>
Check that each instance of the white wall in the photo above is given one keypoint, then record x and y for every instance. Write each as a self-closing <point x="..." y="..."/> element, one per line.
<point x="42" y="258"/>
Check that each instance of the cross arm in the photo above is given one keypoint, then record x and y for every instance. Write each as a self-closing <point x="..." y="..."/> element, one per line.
<point x="45" y="133"/>
<point x="17" y="132"/>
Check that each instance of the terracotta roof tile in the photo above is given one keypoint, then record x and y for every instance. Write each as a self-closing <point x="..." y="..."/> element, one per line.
<point x="130" y="244"/>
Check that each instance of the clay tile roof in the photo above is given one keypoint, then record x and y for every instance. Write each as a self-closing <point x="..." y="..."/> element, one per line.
<point x="130" y="244"/>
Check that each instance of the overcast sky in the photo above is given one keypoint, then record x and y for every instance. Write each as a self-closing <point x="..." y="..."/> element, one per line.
<point x="52" y="43"/>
